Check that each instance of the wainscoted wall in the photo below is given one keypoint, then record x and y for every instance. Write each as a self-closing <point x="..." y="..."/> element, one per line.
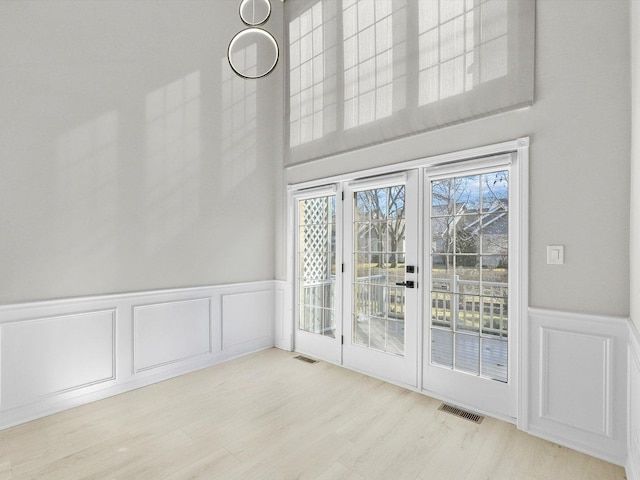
<point x="58" y="354"/>
<point x="171" y="332"/>
<point x="283" y="326"/>
<point x="633" y="462"/>
<point x="577" y="384"/>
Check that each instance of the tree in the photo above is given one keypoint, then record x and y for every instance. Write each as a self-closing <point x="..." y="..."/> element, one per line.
<point x="462" y="208"/>
<point x="384" y="211"/>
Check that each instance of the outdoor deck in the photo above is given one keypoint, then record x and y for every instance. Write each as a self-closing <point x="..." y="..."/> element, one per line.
<point x="491" y="364"/>
<point x="476" y="342"/>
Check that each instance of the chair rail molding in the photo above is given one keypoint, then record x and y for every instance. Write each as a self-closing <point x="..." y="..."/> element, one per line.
<point x="577" y="381"/>
<point x="59" y="354"/>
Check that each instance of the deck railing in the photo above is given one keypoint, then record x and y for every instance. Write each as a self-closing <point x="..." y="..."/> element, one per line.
<point x="473" y="309"/>
<point x="451" y="298"/>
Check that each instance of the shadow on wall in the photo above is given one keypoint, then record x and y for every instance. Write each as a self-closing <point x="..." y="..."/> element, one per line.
<point x="118" y="130"/>
<point x="361" y="72"/>
<point x="239" y="123"/>
<point x="86" y="185"/>
<point x="172" y="160"/>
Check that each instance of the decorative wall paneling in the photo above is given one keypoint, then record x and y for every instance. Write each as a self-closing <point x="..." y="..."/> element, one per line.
<point x="283" y="324"/>
<point x="633" y="403"/>
<point x="577" y="392"/>
<point x="58" y="354"/>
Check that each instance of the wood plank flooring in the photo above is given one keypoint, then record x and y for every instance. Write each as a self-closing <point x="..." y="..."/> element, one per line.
<point x="269" y="416"/>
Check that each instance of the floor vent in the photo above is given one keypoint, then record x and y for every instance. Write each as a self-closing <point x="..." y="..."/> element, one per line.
<point x="472" y="417"/>
<point x="305" y="359"/>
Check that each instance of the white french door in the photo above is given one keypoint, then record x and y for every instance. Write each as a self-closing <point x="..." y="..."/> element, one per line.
<point x="317" y="242"/>
<point x="469" y="348"/>
<point x="417" y="278"/>
<point x="380" y="314"/>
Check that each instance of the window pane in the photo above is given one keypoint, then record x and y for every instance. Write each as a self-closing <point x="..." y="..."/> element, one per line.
<point x="442" y="272"/>
<point x="469" y="252"/>
<point x="395" y="336"/>
<point x="467" y="278"/>
<point x="495" y="191"/>
<point x="316" y="271"/>
<point x="442" y="235"/>
<point x="495" y="233"/>
<point x="443" y="197"/>
<point x="494" y="359"/>
<point x="467" y="235"/>
<point x="495" y="316"/>
<point x="467" y="194"/>
<point x="495" y="269"/>
<point x="467" y="358"/>
<point x="442" y="347"/>
<point x="379" y="231"/>
<point x="441" y="314"/>
<point x="468" y="319"/>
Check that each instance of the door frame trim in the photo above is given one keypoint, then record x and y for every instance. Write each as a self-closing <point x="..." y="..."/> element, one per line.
<point x="519" y="145"/>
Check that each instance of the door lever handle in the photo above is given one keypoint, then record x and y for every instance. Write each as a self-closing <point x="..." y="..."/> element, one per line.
<point x="408" y="284"/>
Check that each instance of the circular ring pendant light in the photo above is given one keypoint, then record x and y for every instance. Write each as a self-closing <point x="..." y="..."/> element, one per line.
<point x="255" y="12"/>
<point x="253" y="52"/>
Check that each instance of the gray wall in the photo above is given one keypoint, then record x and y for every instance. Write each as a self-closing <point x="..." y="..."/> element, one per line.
<point x="126" y="159"/>
<point x="89" y="199"/>
<point x="635" y="164"/>
<point x="580" y="135"/>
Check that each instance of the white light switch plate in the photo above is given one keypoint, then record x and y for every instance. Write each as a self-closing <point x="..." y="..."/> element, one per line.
<point x="555" y="254"/>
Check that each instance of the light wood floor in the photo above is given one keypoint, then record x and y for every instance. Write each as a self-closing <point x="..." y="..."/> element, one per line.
<point x="268" y="416"/>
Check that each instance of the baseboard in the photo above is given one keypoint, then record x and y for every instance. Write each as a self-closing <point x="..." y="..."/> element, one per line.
<point x="633" y="403"/>
<point x="56" y="355"/>
<point x="577" y="385"/>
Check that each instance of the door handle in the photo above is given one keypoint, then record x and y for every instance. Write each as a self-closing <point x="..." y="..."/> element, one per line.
<point x="408" y="284"/>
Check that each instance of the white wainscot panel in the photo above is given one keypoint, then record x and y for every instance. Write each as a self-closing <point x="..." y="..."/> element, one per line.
<point x="575" y="386"/>
<point x="577" y="383"/>
<point x="633" y="462"/>
<point x="247" y="319"/>
<point x="50" y="356"/>
<point x="282" y="321"/>
<point x="171" y="332"/>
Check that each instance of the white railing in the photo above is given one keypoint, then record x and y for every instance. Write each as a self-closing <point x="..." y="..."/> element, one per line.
<point x="471" y="305"/>
<point x="315" y="314"/>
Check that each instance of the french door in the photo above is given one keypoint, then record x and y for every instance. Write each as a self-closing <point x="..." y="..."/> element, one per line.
<point x="361" y="247"/>
<point x="318" y="281"/>
<point x="380" y="314"/>
<point x="469" y="353"/>
<point x="414" y="278"/>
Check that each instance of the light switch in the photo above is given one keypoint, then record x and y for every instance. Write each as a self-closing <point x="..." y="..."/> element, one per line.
<point x="555" y="254"/>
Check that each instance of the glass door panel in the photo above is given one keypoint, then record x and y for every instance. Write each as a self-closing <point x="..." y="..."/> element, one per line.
<point x="316" y="330"/>
<point x="381" y="218"/>
<point x="379" y="261"/>
<point x="467" y="222"/>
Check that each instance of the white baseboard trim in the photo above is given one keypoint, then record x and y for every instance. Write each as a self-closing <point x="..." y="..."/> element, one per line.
<point x="633" y="405"/>
<point x="59" y="354"/>
<point x="577" y="385"/>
